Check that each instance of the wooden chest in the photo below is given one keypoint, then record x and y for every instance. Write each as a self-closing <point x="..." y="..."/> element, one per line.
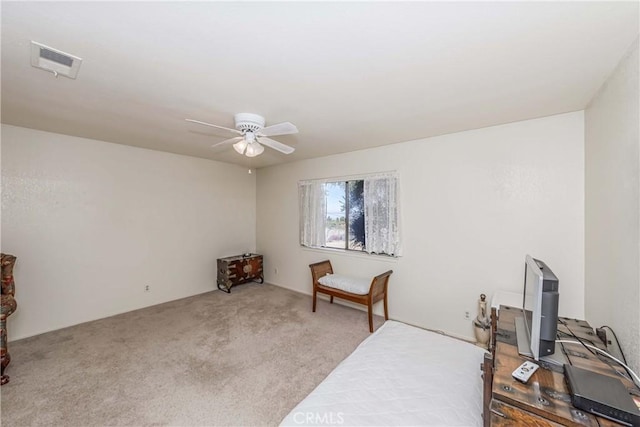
<point x="545" y="400"/>
<point x="238" y="269"/>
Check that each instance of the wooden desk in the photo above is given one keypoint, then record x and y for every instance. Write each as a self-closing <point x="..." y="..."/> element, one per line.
<point x="545" y="399"/>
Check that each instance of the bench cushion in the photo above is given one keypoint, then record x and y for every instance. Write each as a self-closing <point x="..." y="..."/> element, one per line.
<point x="354" y="285"/>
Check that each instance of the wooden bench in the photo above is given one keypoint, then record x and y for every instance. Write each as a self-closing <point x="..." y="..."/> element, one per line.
<point x="350" y="289"/>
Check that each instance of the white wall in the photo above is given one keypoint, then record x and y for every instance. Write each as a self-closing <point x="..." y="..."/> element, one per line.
<point x="612" y="213"/>
<point x="92" y="223"/>
<point x="473" y="204"/>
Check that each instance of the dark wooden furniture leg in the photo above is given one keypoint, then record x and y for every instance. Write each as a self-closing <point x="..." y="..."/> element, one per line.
<point x="494" y="331"/>
<point x="386" y="311"/>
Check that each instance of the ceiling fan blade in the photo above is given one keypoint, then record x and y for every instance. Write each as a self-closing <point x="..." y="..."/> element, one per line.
<point x="228" y="141"/>
<point x="214" y="126"/>
<point x="278" y="146"/>
<point x="285" y="128"/>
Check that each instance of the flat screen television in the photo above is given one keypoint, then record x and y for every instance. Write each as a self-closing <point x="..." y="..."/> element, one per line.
<point x="536" y="330"/>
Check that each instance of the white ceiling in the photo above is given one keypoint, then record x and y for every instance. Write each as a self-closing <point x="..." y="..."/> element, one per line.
<point x="349" y="75"/>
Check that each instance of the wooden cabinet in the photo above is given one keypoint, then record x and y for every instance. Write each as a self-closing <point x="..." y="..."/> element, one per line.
<point x="238" y="269"/>
<point x="545" y="400"/>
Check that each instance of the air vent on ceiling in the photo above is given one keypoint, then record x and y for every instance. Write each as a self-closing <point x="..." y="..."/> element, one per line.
<point x="54" y="60"/>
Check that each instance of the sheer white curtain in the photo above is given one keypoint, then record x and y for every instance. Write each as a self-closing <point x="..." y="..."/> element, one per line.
<point x="313" y="213"/>
<point x="382" y="214"/>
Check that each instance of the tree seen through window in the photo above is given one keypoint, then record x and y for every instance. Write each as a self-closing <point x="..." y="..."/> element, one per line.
<point x="344" y="228"/>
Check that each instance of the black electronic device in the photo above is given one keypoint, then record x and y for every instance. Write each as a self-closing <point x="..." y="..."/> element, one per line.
<point x="601" y="395"/>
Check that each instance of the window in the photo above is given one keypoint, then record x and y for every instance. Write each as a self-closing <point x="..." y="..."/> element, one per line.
<point x="351" y="214"/>
<point x="344" y="228"/>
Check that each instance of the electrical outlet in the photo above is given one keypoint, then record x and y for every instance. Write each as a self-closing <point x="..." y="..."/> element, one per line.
<point x="275" y="270"/>
<point x="146" y="288"/>
<point x="466" y="315"/>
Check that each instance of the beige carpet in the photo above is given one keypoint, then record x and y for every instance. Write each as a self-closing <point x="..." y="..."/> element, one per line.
<point x="245" y="358"/>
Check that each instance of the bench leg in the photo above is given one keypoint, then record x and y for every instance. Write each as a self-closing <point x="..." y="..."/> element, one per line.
<point x="314" y="301"/>
<point x="370" y="317"/>
<point x="331" y="299"/>
<point x="386" y="311"/>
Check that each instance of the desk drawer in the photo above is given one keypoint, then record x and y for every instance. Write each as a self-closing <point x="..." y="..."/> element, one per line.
<point x="504" y="415"/>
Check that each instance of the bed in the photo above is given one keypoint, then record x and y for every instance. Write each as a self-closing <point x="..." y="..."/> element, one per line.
<point x="399" y="376"/>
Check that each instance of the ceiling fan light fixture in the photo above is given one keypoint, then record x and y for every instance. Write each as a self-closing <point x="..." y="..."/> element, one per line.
<point x="240" y="146"/>
<point x="253" y="134"/>
<point x="254" y="149"/>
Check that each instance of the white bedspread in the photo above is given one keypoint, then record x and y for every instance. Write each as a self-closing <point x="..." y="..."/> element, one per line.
<point x="399" y="376"/>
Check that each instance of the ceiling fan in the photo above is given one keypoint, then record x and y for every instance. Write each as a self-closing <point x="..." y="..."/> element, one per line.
<point x="253" y="134"/>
